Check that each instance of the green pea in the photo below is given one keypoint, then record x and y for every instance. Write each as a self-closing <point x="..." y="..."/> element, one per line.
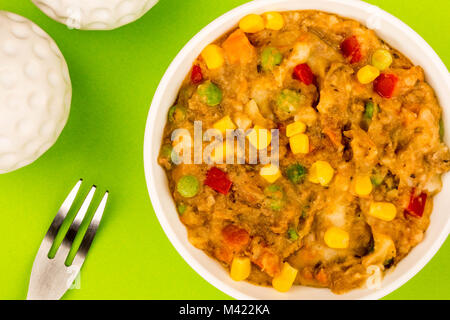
<point x="277" y="205"/>
<point x="377" y="178"/>
<point x="166" y="151"/>
<point x="275" y="197"/>
<point x="292" y="234"/>
<point x="209" y="93"/>
<point x="288" y="102"/>
<point x="188" y="186"/>
<point x="368" y="110"/>
<point x="270" y="57"/>
<point x="296" y="173"/>
<point x="441" y="129"/>
<point x="181" y="208"/>
<point x="177" y="114"/>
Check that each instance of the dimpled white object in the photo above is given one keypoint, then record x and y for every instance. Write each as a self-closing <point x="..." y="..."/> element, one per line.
<point x="95" y="14"/>
<point x="35" y="92"/>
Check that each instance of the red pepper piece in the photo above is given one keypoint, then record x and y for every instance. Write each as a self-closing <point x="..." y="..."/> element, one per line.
<point x="196" y="75"/>
<point x="385" y="85"/>
<point x="235" y="237"/>
<point x="356" y="57"/>
<point x="416" y="204"/>
<point x="350" y="48"/>
<point x="218" y="180"/>
<point x="303" y="73"/>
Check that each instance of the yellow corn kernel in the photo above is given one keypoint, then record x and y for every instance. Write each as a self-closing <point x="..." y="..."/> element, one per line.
<point x="284" y="280"/>
<point x="367" y="74"/>
<point x="223" y="124"/>
<point x="259" y="137"/>
<point x="336" y="238"/>
<point x="381" y="59"/>
<point x="213" y="56"/>
<point x="299" y="143"/>
<point x="383" y="210"/>
<point x="363" y="185"/>
<point x="274" y="20"/>
<point x="295" y="128"/>
<point x="321" y="172"/>
<point x="240" y="268"/>
<point x="270" y="172"/>
<point x="252" y="23"/>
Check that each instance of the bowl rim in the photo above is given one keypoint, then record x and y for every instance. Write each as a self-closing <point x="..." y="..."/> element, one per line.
<point x="149" y="158"/>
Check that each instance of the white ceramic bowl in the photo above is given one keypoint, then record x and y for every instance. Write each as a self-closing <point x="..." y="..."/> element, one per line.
<point x="389" y="28"/>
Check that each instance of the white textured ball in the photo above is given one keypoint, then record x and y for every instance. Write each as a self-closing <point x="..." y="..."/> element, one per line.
<point x="35" y="92"/>
<point x="95" y="14"/>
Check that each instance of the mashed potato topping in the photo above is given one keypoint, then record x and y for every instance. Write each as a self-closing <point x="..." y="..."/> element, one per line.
<point x="360" y="152"/>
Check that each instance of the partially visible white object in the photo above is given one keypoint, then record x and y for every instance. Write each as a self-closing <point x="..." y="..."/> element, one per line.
<point x="95" y="14"/>
<point x="390" y="29"/>
<point x="35" y="92"/>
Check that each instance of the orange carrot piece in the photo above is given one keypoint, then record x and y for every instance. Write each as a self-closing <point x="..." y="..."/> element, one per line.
<point x="238" y="48"/>
<point x="269" y="263"/>
<point x="235" y="237"/>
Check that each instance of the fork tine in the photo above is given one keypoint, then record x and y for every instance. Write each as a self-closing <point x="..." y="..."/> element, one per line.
<point x="75" y="226"/>
<point x="61" y="215"/>
<point x="90" y="233"/>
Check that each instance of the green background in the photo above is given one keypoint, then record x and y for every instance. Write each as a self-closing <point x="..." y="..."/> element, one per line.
<point x="114" y="75"/>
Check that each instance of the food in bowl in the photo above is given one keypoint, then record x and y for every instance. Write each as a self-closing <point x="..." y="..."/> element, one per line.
<point x="359" y="146"/>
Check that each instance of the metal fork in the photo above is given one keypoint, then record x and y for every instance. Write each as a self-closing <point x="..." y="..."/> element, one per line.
<point x="51" y="278"/>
